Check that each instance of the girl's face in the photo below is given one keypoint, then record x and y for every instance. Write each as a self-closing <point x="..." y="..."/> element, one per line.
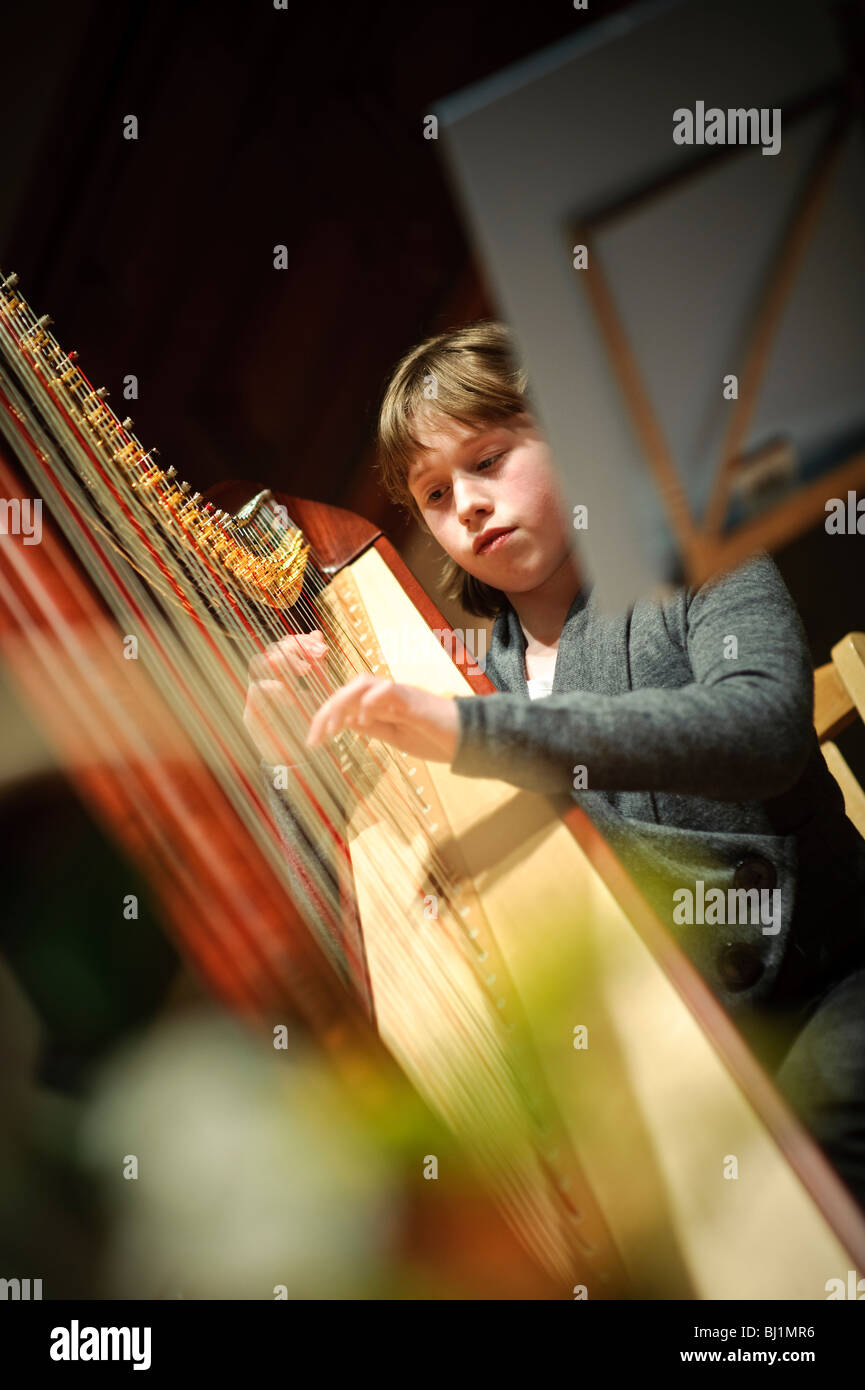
<point x="478" y="481"/>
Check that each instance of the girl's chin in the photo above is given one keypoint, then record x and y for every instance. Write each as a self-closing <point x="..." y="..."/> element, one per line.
<point x="507" y="582"/>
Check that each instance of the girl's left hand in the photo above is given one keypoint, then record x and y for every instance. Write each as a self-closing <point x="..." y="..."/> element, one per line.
<point x="421" y="724"/>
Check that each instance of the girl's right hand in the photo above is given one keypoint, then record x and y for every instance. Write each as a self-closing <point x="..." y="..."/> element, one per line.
<point x="273" y="715"/>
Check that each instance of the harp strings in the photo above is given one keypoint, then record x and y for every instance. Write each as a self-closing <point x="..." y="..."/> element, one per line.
<point x="252" y="630"/>
<point x="96" y="728"/>
<point x="200" y="675"/>
<point x="244" y="619"/>
<point x="196" y="641"/>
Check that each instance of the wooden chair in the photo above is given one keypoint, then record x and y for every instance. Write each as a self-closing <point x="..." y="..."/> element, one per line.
<point x="839" y="698"/>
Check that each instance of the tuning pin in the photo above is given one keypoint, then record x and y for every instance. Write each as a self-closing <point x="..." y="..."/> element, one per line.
<point x="102" y="392"/>
<point x="10" y="282"/>
<point x="39" y="324"/>
<point x="171" y="472"/>
<point x="127" y="423"/>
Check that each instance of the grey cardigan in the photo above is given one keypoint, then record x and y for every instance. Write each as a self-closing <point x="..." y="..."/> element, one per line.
<point x="699" y="765"/>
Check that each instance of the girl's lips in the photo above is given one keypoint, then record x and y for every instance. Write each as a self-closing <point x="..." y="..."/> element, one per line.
<point x="496" y="542"/>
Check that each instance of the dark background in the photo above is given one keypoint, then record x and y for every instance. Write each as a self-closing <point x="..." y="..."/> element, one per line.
<point x="155" y="257"/>
<point x="257" y="127"/>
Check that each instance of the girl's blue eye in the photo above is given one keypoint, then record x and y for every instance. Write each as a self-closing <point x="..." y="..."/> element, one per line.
<point x="494" y="458"/>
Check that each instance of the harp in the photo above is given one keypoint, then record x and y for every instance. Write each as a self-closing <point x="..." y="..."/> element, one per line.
<point x="475" y="931"/>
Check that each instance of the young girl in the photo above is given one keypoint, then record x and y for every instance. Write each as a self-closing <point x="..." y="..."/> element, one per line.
<point x="695" y="756"/>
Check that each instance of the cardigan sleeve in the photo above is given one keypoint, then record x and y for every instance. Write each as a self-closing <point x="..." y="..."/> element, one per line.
<point x="740" y="731"/>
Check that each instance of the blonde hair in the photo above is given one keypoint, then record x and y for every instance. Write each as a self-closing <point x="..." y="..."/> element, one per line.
<point x="470" y="375"/>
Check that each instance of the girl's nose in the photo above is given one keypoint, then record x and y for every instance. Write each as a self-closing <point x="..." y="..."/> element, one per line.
<point x="470" y="498"/>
